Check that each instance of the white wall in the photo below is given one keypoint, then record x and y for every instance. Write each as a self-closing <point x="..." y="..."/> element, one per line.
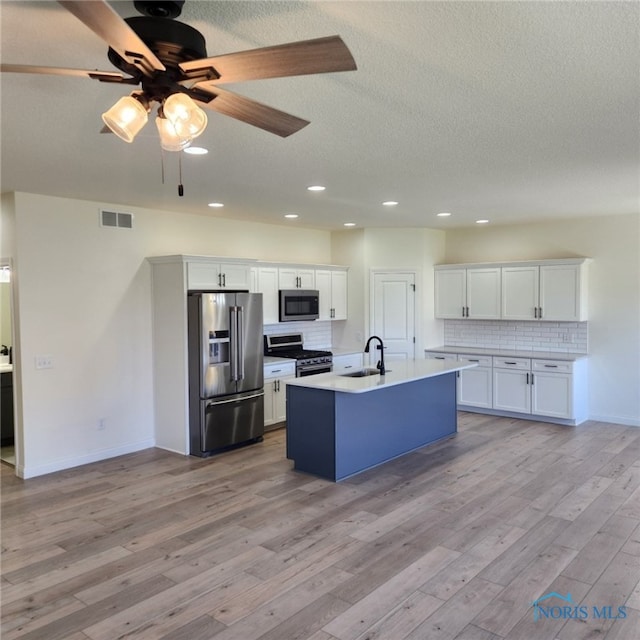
<point x="367" y="249"/>
<point x="614" y="294"/>
<point x="84" y="297"/>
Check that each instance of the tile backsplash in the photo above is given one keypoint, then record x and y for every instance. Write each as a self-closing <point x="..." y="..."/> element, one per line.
<point x="316" y="333"/>
<point x="562" y="337"/>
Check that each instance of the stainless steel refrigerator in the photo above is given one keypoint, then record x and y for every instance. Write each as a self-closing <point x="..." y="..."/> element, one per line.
<point x="226" y="395"/>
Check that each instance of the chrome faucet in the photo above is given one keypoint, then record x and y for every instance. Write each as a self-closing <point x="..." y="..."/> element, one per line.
<point x="380" y="364"/>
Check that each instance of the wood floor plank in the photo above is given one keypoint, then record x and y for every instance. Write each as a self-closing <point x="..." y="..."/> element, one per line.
<point x="452" y="541"/>
<point x="367" y="611"/>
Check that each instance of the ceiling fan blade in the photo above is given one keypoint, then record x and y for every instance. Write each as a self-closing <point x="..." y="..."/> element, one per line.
<point x="322" y="55"/>
<point x="108" y="25"/>
<point x="103" y="76"/>
<point x="252" y="112"/>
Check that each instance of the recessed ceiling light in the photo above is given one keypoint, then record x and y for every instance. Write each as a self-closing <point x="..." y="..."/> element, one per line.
<point x="349" y="224"/>
<point x="316" y="187"/>
<point x="216" y="205"/>
<point x="481" y="221"/>
<point x="390" y="203"/>
<point x="196" y="151"/>
<point x="444" y="214"/>
<point x="291" y="215"/>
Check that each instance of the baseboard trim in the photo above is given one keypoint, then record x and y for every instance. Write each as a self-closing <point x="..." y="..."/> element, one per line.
<point x="627" y="422"/>
<point x="25" y="472"/>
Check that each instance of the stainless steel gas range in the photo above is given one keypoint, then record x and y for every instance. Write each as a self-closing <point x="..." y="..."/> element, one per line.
<point x="308" y="361"/>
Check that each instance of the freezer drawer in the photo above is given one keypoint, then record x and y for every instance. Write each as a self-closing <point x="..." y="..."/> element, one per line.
<point x="228" y="421"/>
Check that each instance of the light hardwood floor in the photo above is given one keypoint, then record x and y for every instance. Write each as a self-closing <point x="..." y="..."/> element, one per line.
<point x="454" y="541"/>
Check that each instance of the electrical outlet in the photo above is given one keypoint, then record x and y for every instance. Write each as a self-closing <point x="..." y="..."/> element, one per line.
<point x="44" y="362"/>
<point x="358" y="336"/>
<point x="102" y="424"/>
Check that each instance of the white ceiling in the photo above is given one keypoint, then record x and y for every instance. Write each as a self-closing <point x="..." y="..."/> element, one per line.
<point x="510" y="111"/>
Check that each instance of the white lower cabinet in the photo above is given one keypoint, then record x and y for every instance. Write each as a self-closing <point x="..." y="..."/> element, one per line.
<point x="347" y="362"/>
<point x="511" y="388"/>
<point x="551" y="390"/>
<point x="556" y="389"/>
<point x="275" y="395"/>
<point x="475" y="386"/>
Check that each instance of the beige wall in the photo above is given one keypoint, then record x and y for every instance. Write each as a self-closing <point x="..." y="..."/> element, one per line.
<point x="614" y="294"/>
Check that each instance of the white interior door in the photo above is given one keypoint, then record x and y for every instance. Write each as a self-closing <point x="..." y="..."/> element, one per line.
<point x="393" y="314"/>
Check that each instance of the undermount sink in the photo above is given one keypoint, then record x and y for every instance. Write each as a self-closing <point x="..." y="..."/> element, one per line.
<point x="361" y="373"/>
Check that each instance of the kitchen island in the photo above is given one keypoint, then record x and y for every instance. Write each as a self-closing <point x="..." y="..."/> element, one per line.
<point x="338" y="426"/>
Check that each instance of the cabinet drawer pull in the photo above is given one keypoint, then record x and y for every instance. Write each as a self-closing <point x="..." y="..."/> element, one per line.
<point x="348" y="366"/>
<point x="511" y="362"/>
<point x="276" y="370"/>
<point x="439" y="358"/>
<point x="551" y="366"/>
<point x="472" y="360"/>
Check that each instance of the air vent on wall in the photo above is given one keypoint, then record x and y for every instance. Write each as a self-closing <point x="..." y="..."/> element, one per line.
<point x="116" y="219"/>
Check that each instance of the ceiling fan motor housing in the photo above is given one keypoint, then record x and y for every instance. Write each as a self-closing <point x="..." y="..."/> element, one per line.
<point x="171" y="41"/>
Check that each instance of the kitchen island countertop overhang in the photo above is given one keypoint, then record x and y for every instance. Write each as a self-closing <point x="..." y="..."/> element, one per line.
<point x="398" y="372"/>
<point x="338" y="426"/>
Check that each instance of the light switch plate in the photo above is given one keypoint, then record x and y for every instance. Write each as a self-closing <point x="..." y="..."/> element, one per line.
<point x="44" y="362"/>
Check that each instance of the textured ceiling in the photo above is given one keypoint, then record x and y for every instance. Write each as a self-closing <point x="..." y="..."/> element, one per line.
<point x="510" y="111"/>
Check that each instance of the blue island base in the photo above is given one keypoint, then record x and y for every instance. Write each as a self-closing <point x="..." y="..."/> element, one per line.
<point x="335" y="435"/>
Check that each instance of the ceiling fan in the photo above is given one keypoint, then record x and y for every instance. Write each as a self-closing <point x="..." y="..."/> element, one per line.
<point x="168" y="59"/>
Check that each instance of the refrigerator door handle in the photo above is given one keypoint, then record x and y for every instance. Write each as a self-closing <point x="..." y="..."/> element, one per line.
<point x="236" y="399"/>
<point x="233" y="342"/>
<point x="240" y="341"/>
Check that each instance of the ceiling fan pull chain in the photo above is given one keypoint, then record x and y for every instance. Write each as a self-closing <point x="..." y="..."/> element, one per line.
<point x="162" y="164"/>
<point x="180" y="187"/>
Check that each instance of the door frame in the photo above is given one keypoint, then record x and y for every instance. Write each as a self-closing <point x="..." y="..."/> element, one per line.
<point x="417" y="304"/>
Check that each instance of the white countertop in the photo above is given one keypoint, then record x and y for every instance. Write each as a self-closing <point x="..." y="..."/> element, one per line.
<point x="275" y="360"/>
<point x="398" y="372"/>
<point x="510" y="353"/>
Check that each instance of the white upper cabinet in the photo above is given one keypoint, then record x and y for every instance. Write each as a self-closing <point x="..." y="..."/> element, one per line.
<point x="545" y="292"/>
<point x="267" y="285"/>
<point x="468" y="293"/>
<point x="293" y="278"/>
<point x="332" y="289"/>
<point x="218" y="275"/>
<point x="563" y="292"/>
<point x="554" y="290"/>
<point x="520" y="293"/>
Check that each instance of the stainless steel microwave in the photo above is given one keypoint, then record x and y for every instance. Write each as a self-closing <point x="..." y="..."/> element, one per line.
<point x="299" y="304"/>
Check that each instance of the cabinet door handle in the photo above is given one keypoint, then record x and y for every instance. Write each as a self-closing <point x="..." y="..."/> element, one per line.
<point x="219" y="280"/>
<point x="527" y="378"/>
<point x="532" y="379"/>
<point x="463" y="312"/>
<point x="535" y="312"/>
<point x="539" y="312"/>
<point x="224" y="279"/>
<point x="467" y="312"/>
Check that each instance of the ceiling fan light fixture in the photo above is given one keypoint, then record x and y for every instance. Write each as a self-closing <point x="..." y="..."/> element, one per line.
<point x="170" y="140"/>
<point x="126" y="118"/>
<point x="187" y="117"/>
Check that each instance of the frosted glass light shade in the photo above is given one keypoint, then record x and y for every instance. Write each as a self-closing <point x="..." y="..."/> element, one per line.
<point x="187" y="117"/>
<point x="126" y="118"/>
<point x="169" y="139"/>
